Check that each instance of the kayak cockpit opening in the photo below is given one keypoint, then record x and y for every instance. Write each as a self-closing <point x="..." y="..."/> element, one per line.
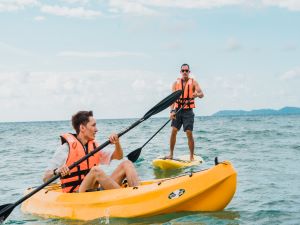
<point x="95" y="189"/>
<point x="123" y="185"/>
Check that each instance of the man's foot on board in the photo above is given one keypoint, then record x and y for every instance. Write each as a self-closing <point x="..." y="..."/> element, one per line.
<point x="191" y="158"/>
<point x="168" y="157"/>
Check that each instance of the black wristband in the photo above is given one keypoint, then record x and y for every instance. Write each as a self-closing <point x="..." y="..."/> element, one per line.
<point x="54" y="171"/>
<point x="172" y="110"/>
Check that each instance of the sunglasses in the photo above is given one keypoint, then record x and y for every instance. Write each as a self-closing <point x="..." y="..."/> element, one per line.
<point x="185" y="71"/>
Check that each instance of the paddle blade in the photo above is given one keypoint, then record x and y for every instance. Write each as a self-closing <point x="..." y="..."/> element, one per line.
<point x="5" y="211"/>
<point x="165" y="103"/>
<point x="134" y="155"/>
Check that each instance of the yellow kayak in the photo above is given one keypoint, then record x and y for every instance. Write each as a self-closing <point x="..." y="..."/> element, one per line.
<point x="176" y="163"/>
<point x="207" y="190"/>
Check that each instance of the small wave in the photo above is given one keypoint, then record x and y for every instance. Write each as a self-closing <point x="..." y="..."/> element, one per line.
<point x="297" y="147"/>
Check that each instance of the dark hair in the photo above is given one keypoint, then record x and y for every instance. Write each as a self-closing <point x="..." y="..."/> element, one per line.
<point x="185" y="64"/>
<point x="81" y="117"/>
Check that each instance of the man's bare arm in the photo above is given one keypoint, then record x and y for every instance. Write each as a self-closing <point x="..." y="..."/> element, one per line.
<point x="198" y="92"/>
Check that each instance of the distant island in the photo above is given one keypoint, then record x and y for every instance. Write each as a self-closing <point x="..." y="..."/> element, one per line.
<point x="259" y="112"/>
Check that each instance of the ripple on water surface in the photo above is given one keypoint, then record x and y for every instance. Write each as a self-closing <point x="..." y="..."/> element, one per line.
<point x="265" y="151"/>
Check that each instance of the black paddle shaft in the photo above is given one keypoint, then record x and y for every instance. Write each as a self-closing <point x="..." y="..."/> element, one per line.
<point x="11" y="206"/>
<point x="6" y="209"/>
<point x="163" y="126"/>
<point x="134" y="155"/>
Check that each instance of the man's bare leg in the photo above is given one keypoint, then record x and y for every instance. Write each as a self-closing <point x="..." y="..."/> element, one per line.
<point x="95" y="177"/>
<point x="126" y="170"/>
<point x="172" y="142"/>
<point x="191" y="144"/>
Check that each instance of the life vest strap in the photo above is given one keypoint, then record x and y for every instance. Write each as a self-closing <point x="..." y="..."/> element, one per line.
<point x="187" y="101"/>
<point x="71" y="184"/>
<point x="77" y="173"/>
<point x="186" y="97"/>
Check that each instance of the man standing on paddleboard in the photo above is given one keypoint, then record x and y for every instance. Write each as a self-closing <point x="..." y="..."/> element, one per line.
<point x="88" y="174"/>
<point x="185" y="116"/>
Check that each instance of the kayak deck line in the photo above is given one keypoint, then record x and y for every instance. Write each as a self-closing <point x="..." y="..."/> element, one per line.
<point x="56" y="186"/>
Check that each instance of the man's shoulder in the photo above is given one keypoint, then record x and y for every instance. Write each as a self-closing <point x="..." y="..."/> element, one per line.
<point x="174" y="83"/>
<point x="194" y="80"/>
<point x="64" y="146"/>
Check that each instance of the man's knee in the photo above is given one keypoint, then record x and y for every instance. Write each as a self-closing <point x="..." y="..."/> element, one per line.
<point x="96" y="172"/>
<point x="127" y="164"/>
<point x="189" y="133"/>
<point x="174" y="131"/>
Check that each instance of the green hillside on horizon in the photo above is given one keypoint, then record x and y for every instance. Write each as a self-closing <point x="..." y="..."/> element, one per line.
<point x="259" y="112"/>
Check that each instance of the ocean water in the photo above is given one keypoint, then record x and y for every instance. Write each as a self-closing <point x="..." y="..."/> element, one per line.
<point x="265" y="151"/>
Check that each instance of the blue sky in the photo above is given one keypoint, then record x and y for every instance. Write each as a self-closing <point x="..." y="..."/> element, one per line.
<point x="120" y="57"/>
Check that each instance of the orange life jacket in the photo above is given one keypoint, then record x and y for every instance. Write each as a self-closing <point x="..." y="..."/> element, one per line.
<point x="187" y="95"/>
<point x="71" y="183"/>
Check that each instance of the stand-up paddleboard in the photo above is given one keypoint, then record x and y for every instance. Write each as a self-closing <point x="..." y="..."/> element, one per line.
<point x="176" y="162"/>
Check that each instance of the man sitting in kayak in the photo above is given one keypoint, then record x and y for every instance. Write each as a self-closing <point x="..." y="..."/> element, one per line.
<point x="88" y="175"/>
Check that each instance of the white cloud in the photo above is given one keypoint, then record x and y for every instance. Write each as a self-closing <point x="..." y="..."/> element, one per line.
<point x="293" y="5"/>
<point x="83" y="2"/>
<point x="227" y="92"/>
<point x="57" y="95"/>
<point x="10" y="84"/>
<point x="15" y="5"/>
<point x="289" y="47"/>
<point x="131" y="7"/>
<point x="114" y="10"/>
<point x="99" y="54"/>
<point x="246" y="91"/>
<point x="291" y="74"/>
<point x="140" y="7"/>
<point x="7" y="48"/>
<point x="175" y="45"/>
<point x="138" y="85"/>
<point x="39" y="18"/>
<point x="203" y="4"/>
<point x="178" y="26"/>
<point x="232" y="45"/>
<point x="79" y="12"/>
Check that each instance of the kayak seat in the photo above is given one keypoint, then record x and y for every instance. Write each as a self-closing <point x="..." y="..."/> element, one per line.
<point x="95" y="189"/>
<point x="123" y="185"/>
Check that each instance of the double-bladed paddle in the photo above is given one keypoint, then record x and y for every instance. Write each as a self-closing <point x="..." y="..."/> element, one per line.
<point x="6" y="209"/>
<point x="134" y="155"/>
